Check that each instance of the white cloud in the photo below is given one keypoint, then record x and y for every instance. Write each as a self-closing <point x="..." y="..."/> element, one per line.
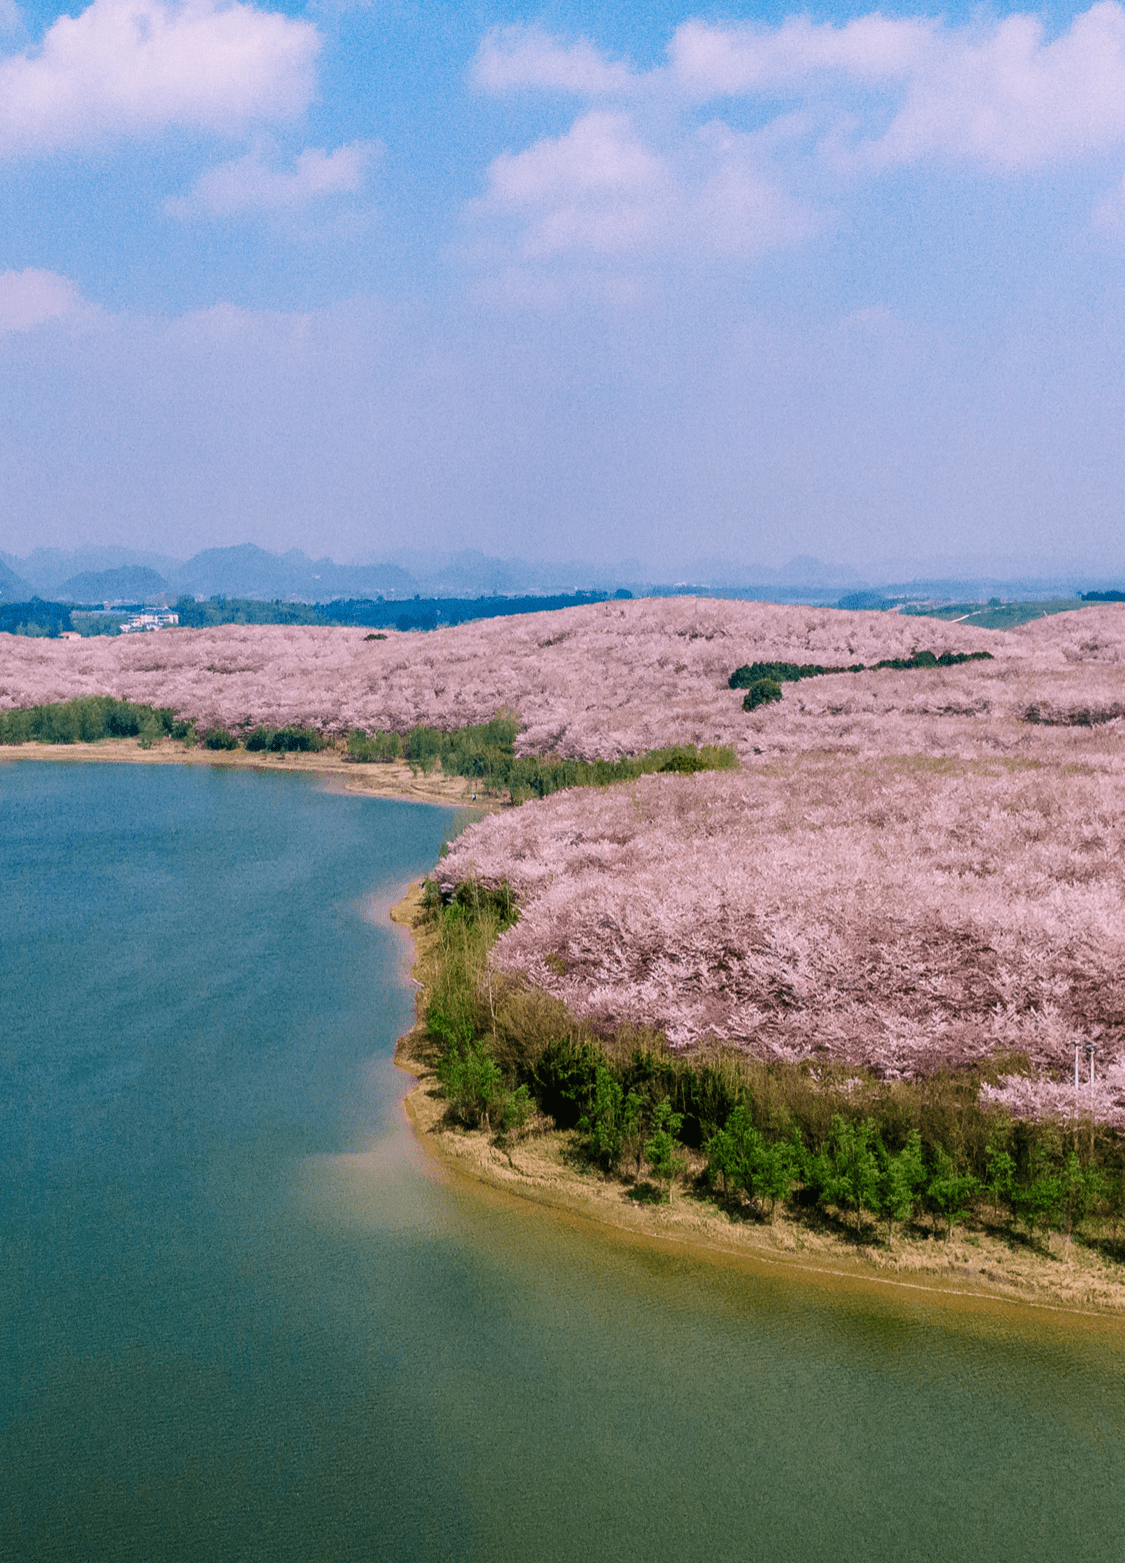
<point x="522" y="57"/>
<point x="882" y="91"/>
<point x="31" y="298"/>
<point x="10" y="19"/>
<point x="707" y="61"/>
<point x="249" y="184"/>
<point x="134" y="67"/>
<point x="1009" y="100"/>
<point x="600" y="191"/>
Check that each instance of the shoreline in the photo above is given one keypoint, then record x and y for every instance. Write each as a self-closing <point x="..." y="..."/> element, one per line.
<point x="534" y="1172"/>
<point x="393" y="779"/>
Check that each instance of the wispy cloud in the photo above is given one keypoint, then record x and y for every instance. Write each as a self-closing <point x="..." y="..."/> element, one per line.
<point x="899" y="89"/>
<point x="527" y="57"/>
<point x="32" y="298"/>
<point x="657" y="161"/>
<point x="998" y="94"/>
<point x="599" y="190"/>
<point x="252" y="184"/>
<point x="135" y="67"/>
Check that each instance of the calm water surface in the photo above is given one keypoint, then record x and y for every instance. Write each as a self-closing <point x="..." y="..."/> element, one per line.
<point x="239" y="1317"/>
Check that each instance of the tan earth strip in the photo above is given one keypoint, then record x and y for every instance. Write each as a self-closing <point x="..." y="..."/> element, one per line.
<point x="394" y="780"/>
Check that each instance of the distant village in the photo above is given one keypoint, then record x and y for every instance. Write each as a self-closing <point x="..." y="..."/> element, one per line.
<point x="145" y="623"/>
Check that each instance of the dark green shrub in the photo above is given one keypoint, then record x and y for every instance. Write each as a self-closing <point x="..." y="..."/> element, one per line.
<point x="685" y="764"/>
<point x="761" y="693"/>
<point x="380" y="747"/>
<point x="85" y="720"/>
<point x="564" y="1078"/>
<point x="220" y="739"/>
<point x="749" y="674"/>
<point x="285" y="740"/>
<point x="421" y="748"/>
<point x="482" y="901"/>
<point x="296" y="740"/>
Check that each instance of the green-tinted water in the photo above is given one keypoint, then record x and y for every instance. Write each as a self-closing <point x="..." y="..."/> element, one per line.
<point x="240" y="1319"/>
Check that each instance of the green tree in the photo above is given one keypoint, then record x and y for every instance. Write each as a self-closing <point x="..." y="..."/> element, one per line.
<point x="633" y="1128"/>
<point x="949" y="1193"/>
<point x="1002" y="1171"/>
<point x="662" y="1145"/>
<point x="777" y="1169"/>
<point x="1038" y="1198"/>
<point x="1080" y="1190"/>
<point x="847" y="1173"/>
<point x="611" y="1121"/>
<point x="904" y="1179"/>
<point x="761" y="693"/>
<point x="474" y="1086"/>
<point x="733" y="1152"/>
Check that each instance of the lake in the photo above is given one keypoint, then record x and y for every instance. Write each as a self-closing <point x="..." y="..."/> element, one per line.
<point x="241" y="1316"/>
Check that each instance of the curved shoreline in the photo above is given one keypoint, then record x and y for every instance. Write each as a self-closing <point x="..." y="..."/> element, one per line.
<point x="534" y="1173"/>
<point x="377" y="780"/>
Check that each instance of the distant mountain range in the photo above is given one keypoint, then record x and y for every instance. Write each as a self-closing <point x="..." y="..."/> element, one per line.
<point x="123" y="575"/>
<point x="94" y="575"/>
<point x="13" y="587"/>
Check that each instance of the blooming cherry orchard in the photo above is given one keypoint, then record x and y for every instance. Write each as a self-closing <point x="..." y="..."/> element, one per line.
<point x="903" y="914"/>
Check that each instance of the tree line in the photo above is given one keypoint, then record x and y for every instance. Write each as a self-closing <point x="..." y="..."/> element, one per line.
<point x="38" y="618"/>
<point x="762" y="681"/>
<point x="418" y="613"/>
<point x="89" y="719"/>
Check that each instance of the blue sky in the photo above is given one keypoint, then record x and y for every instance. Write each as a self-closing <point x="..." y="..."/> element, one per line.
<point x="738" y="282"/>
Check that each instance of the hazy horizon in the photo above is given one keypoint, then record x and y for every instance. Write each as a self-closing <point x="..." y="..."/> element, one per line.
<point x="248" y="570"/>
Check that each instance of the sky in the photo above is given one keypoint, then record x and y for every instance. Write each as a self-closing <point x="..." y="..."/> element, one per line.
<point x="669" y="283"/>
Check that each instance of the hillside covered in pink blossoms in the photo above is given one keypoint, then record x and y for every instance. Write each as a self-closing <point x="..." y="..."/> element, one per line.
<point x="903" y="913"/>
<point x="604" y="680"/>
<point x="912" y="868"/>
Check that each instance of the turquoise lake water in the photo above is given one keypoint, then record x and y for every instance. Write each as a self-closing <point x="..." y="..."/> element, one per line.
<point x="240" y="1316"/>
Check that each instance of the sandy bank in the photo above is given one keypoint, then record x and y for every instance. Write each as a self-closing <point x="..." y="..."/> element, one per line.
<point x="395" y="780"/>
<point x="971" y="1271"/>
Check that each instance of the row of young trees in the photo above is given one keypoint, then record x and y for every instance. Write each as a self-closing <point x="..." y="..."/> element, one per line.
<point x="94" y="717"/>
<point x="920" y="1154"/>
<point x="89" y="719"/>
<point x="485" y="753"/>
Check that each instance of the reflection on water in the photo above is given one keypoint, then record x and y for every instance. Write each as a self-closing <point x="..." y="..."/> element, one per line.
<point x="242" y="1319"/>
